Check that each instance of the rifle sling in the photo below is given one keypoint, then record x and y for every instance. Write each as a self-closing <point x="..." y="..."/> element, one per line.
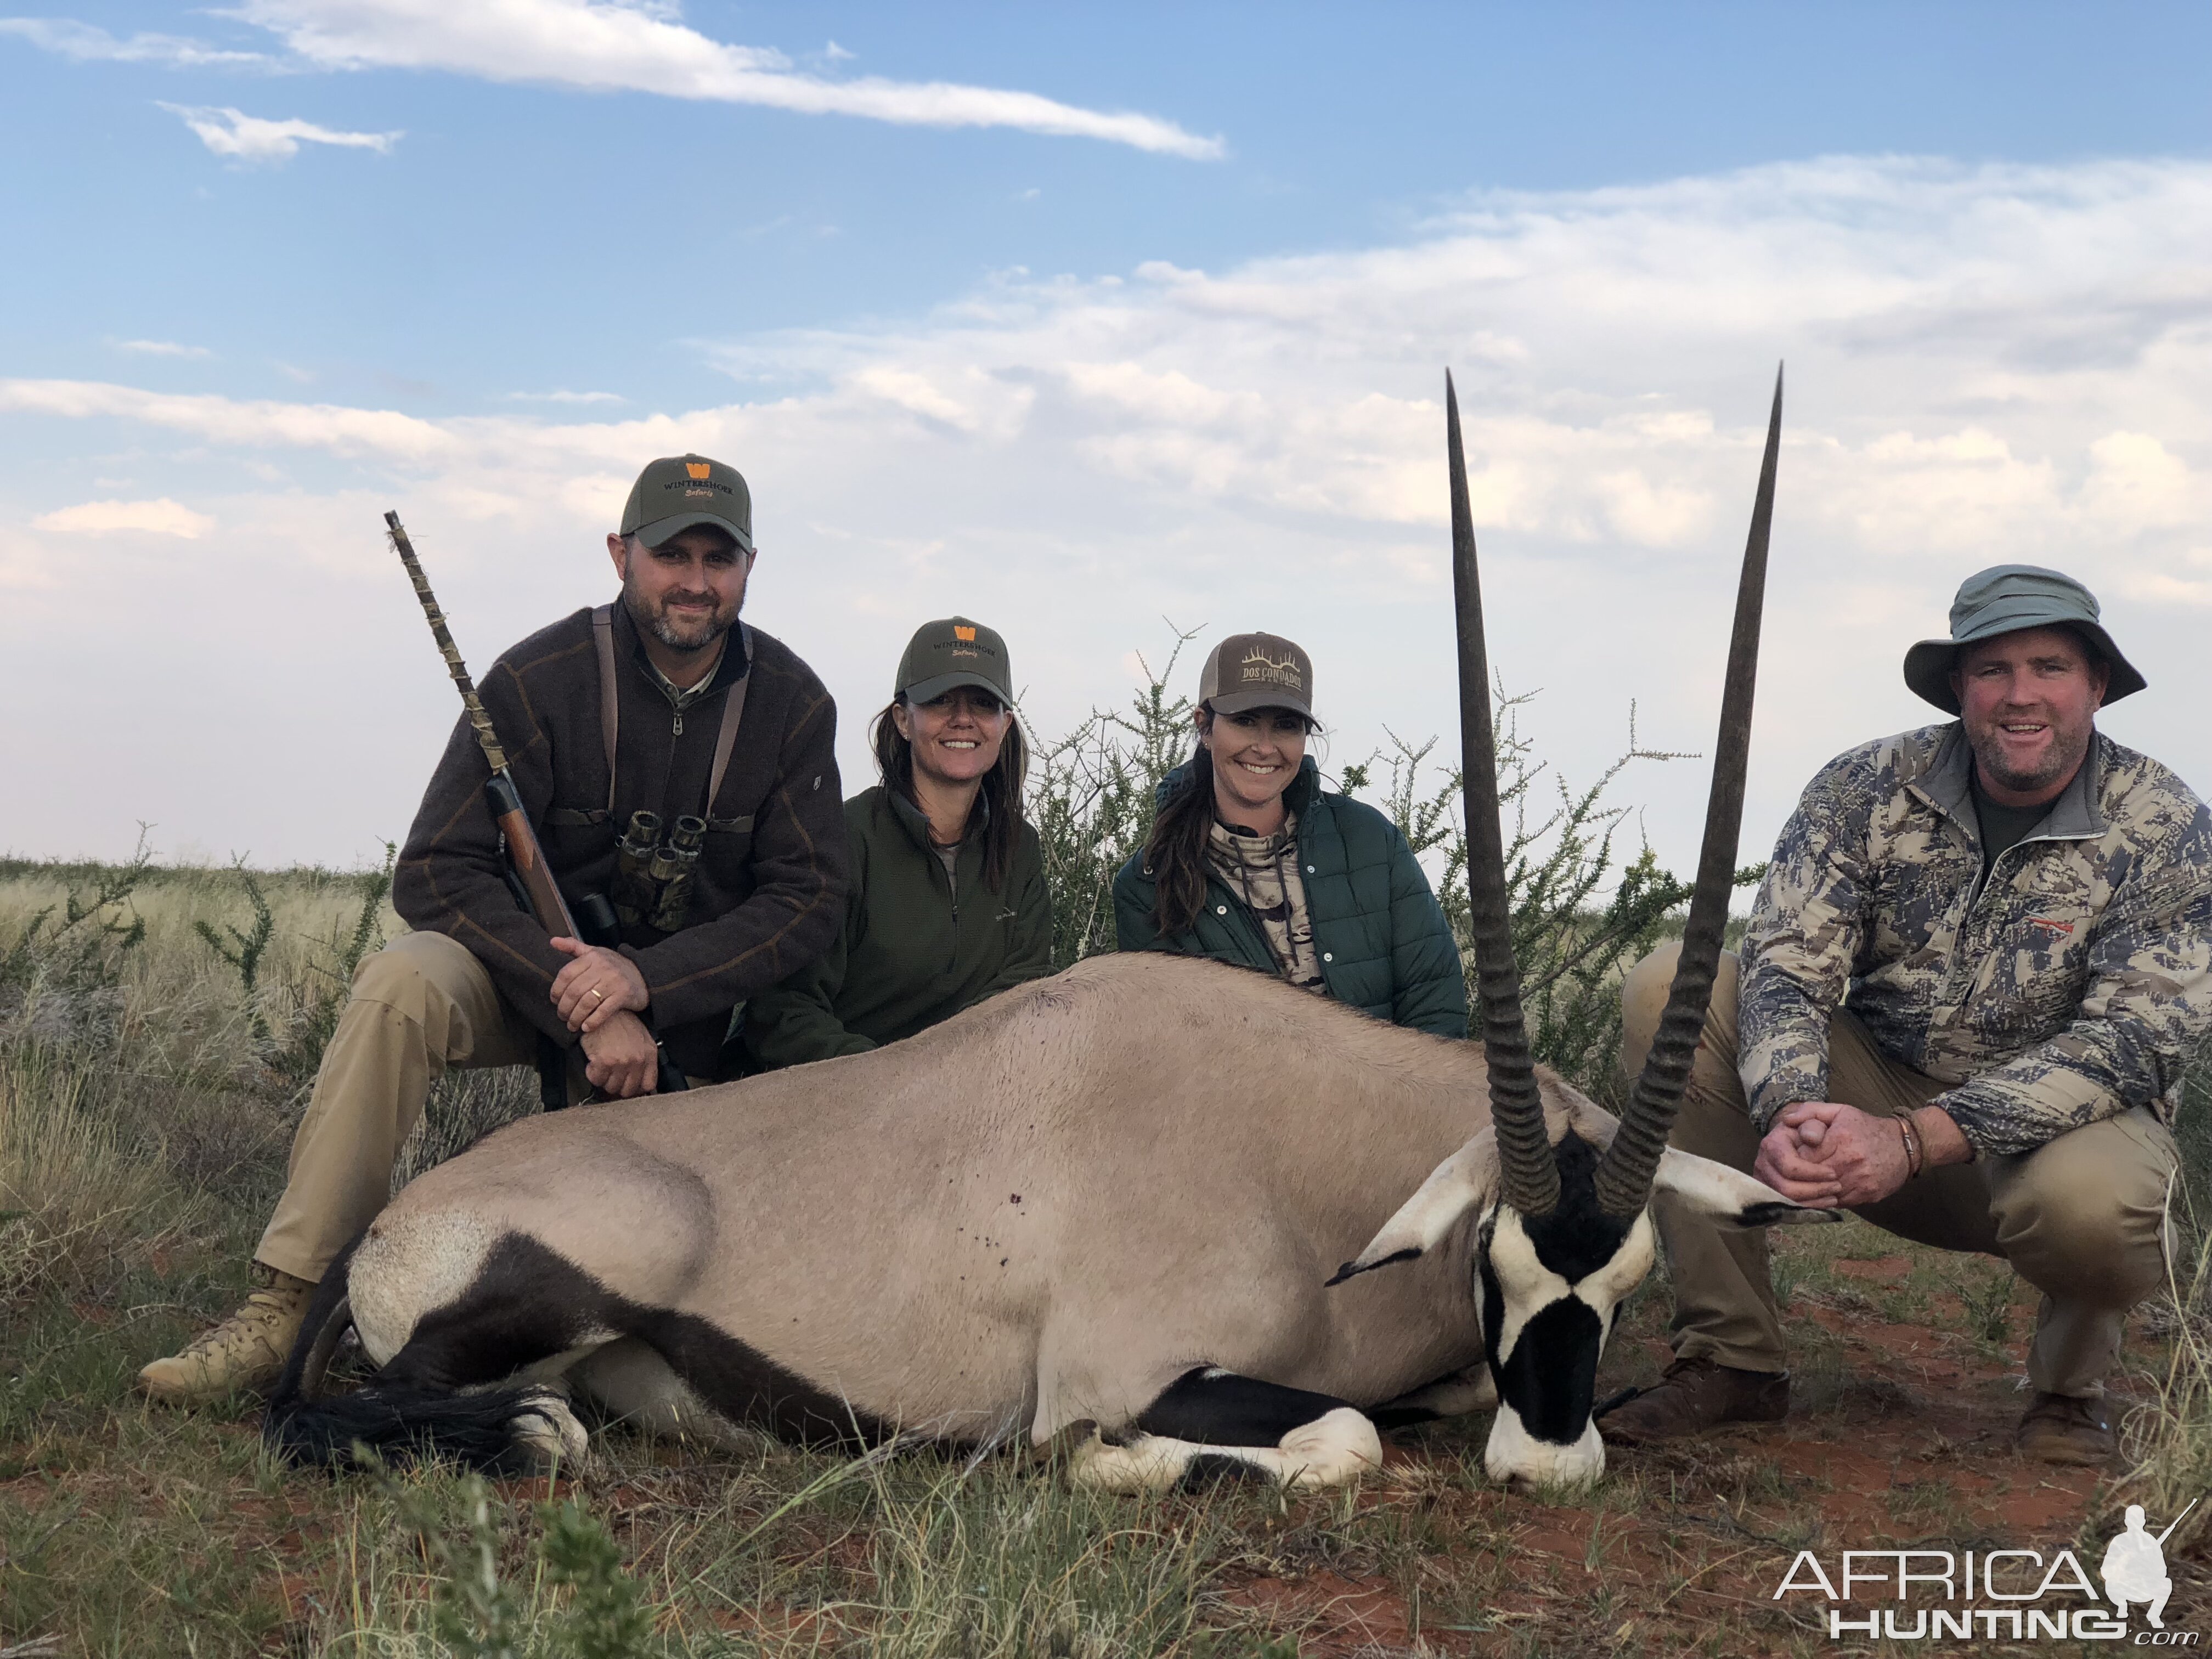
<point x="725" y="738"/>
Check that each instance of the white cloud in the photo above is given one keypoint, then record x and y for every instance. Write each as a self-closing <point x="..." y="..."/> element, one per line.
<point x="1985" y="365"/>
<point x="562" y="396"/>
<point x="161" y="349"/>
<point x="88" y="44"/>
<point x="158" y="518"/>
<point x="603" y="45"/>
<point x="251" y="138"/>
<point x="332" y="426"/>
<point x="2135" y="478"/>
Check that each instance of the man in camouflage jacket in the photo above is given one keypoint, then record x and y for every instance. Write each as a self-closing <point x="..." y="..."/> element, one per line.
<point x="1981" y="958"/>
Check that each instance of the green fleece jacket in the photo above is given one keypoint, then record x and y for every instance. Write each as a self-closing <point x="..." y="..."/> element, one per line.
<point x="1385" y="947"/>
<point x="917" y="945"/>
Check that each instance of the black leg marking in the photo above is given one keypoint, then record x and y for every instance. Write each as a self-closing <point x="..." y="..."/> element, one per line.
<point x="1387" y="1417"/>
<point x="526" y="1305"/>
<point x="529" y="1303"/>
<point x="1210" y="1469"/>
<point x="1220" y="1408"/>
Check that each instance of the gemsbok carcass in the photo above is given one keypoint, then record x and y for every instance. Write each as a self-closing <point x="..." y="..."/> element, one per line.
<point x="1071" y="1206"/>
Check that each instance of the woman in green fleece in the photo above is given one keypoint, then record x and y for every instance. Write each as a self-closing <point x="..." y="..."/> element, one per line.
<point x="948" y="903"/>
<point x="1252" y="862"/>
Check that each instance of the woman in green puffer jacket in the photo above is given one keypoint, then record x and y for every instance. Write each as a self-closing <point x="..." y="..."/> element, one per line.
<point x="1250" y="861"/>
<point x="948" y="903"/>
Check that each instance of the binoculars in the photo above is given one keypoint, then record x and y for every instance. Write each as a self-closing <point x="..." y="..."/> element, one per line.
<point x="653" y="875"/>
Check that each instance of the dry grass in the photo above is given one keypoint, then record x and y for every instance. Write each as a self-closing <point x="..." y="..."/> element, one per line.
<point x="142" y="1130"/>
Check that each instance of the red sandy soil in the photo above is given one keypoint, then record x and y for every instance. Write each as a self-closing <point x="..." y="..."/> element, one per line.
<point x="1912" y="1448"/>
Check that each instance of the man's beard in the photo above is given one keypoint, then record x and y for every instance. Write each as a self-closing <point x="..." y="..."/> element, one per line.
<point x="678" y="636"/>
<point x="2059" y="761"/>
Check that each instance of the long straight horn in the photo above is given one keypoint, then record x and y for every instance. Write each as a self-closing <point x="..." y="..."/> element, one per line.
<point x="1623" y="1176"/>
<point x="1516" y="1111"/>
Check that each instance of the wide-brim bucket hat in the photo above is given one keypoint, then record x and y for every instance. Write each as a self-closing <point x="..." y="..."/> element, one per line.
<point x="2005" y="600"/>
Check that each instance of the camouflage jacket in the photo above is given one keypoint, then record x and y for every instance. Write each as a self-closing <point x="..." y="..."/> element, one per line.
<point x="2071" y="986"/>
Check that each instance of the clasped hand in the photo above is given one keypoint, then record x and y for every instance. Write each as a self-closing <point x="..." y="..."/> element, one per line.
<point x="600" y="996"/>
<point x="1823" y="1152"/>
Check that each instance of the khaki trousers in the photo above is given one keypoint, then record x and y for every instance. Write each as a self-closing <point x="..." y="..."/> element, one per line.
<point x="2083" y="1218"/>
<point x="422" y="1003"/>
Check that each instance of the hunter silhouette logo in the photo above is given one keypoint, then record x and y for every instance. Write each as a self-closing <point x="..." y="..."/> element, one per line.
<point x="1258" y="667"/>
<point x="2135" y="1566"/>
<point x="699" y="469"/>
<point x="2007" y="1595"/>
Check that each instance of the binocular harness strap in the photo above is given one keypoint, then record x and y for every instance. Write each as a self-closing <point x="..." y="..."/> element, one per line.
<point x="733" y="706"/>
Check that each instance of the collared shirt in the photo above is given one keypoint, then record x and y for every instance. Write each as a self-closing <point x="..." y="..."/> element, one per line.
<point x="680" y="697"/>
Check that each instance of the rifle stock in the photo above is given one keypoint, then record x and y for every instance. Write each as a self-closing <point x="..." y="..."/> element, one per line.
<point x="527" y="858"/>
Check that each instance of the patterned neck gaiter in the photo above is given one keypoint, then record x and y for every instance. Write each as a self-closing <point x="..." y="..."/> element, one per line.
<point x="1263" y="870"/>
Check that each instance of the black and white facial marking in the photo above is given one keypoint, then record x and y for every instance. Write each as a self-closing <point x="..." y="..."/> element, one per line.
<point x="1550" y="1291"/>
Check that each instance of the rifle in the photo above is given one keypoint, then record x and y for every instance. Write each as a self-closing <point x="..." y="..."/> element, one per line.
<point x="528" y="876"/>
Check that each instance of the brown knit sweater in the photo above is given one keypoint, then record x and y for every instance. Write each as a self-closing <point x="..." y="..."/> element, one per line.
<point x="769" y="890"/>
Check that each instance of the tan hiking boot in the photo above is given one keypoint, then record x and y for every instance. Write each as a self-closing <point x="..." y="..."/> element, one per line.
<point x="246" y="1351"/>
<point x="1693" y="1396"/>
<point x="2062" y="1428"/>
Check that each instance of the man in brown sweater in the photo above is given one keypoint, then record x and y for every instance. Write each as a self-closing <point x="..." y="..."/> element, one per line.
<point x="660" y="703"/>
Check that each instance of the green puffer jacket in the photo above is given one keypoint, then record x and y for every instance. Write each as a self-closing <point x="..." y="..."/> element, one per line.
<point x="915" y="950"/>
<point x="1385" y="947"/>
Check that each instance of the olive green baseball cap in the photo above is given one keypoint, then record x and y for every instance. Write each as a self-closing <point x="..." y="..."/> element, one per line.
<point x="2005" y="600"/>
<point x="679" y="492"/>
<point x="947" y="654"/>
<point x="1257" y="670"/>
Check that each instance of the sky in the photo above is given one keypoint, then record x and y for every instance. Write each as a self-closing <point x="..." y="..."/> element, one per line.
<point x="1094" y="323"/>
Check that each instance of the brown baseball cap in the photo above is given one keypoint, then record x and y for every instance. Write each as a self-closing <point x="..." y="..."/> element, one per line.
<point x="951" y="653"/>
<point x="1257" y="670"/>
<point x="680" y="492"/>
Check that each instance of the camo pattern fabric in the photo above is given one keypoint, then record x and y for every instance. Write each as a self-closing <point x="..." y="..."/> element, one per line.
<point x="2072" y="985"/>
<point x="1264" y="869"/>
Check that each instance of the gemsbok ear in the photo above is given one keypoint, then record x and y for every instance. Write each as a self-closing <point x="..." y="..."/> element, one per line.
<point x="1729" y="1198"/>
<point x="1465" y="1181"/>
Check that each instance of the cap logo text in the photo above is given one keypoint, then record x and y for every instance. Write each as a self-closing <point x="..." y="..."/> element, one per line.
<point x="1259" y="666"/>
<point x="699" y="469"/>
<point x="965" y="634"/>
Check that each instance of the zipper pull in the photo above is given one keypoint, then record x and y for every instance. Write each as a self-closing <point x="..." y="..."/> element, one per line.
<point x="679" y="722"/>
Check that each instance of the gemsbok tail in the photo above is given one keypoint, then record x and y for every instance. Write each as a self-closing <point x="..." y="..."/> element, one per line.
<point x="393" y="1422"/>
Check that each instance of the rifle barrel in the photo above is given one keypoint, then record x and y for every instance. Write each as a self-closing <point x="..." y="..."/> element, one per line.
<point x="2176" y="1521"/>
<point x="486" y="738"/>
